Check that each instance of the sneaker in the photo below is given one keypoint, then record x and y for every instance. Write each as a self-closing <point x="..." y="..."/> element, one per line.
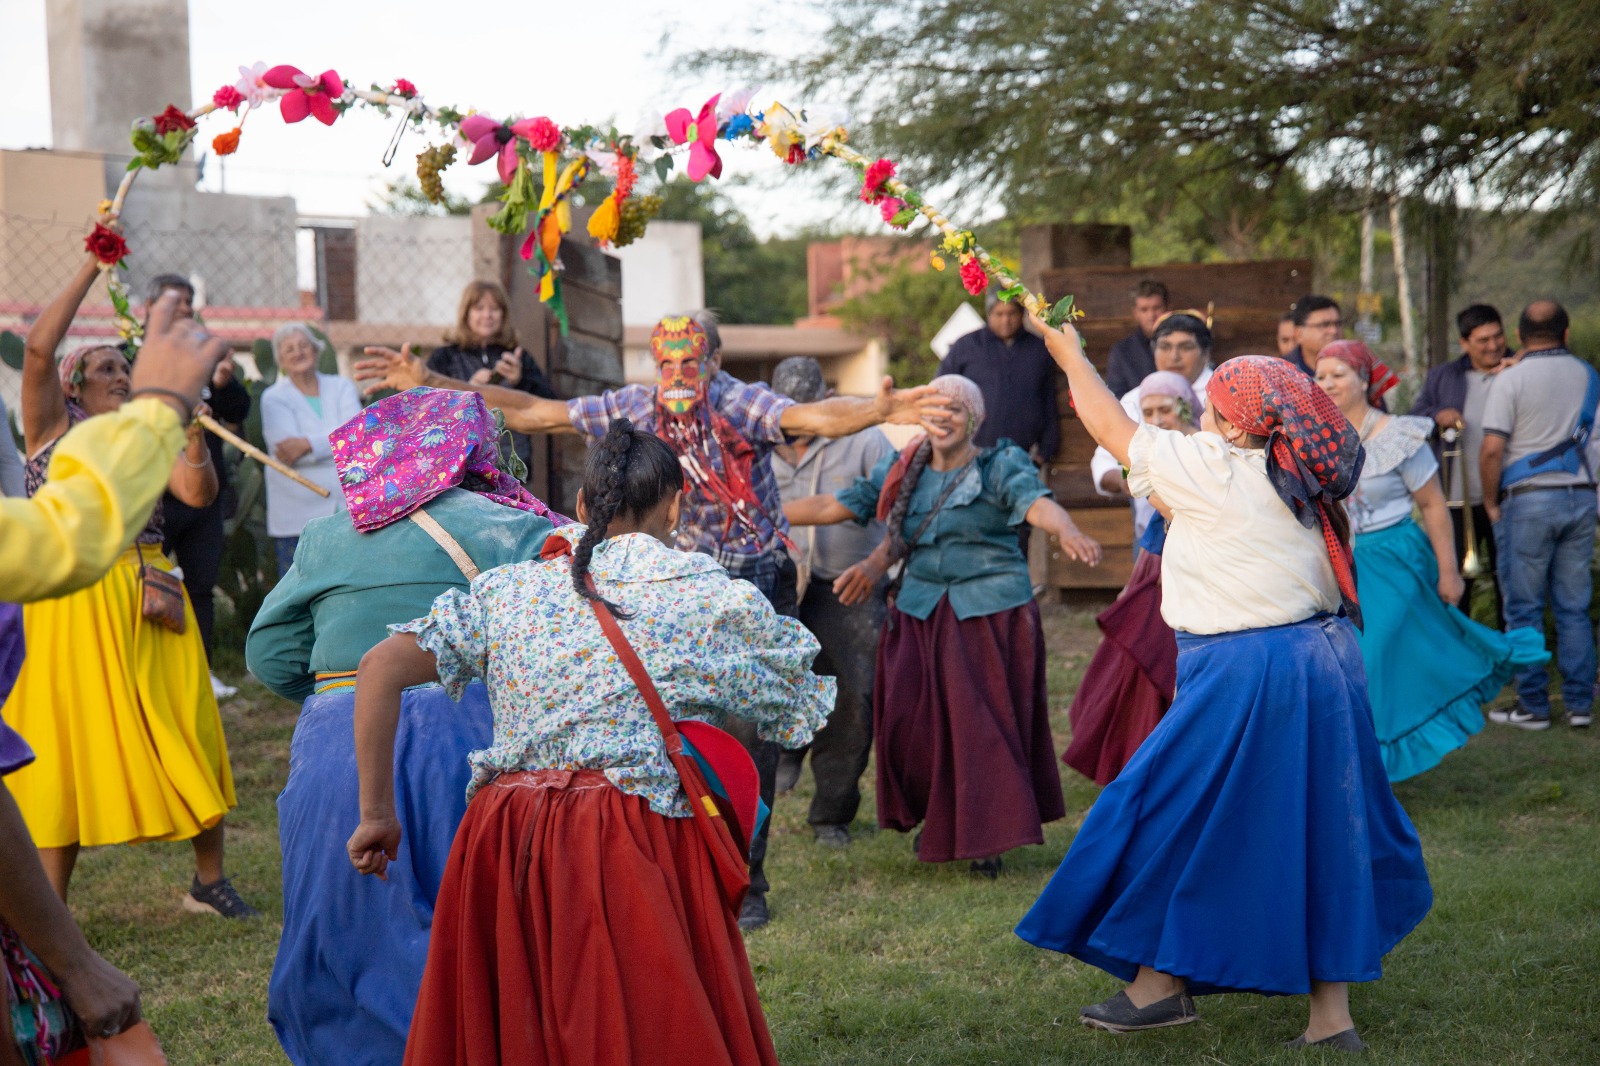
<point x="1521" y="718"/>
<point x="832" y="836"/>
<point x="221" y="689"/>
<point x="217" y="898"/>
<point x="753" y="912"/>
<point x="1580" y="719"/>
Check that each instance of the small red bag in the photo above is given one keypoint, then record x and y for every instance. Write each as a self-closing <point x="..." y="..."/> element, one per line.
<point x="135" y="1046"/>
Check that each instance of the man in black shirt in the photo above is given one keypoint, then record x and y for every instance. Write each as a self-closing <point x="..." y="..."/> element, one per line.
<point x="194" y="535"/>
<point x="1131" y="359"/>
<point x="1018" y="380"/>
<point x="1318" y="322"/>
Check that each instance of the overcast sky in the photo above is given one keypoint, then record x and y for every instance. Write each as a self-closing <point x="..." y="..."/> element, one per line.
<point x="577" y="63"/>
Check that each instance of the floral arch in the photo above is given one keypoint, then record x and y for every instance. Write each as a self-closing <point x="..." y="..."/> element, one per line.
<point x="564" y="158"/>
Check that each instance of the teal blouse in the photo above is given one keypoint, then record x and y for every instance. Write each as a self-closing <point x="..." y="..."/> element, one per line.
<point x="346" y="588"/>
<point x="969" y="552"/>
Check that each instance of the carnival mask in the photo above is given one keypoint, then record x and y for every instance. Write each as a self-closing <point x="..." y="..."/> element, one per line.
<point x="680" y="347"/>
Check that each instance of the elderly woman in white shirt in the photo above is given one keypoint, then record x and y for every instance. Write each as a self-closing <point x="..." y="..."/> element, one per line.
<point x="1182" y="345"/>
<point x="1252" y="844"/>
<point x="298" y="412"/>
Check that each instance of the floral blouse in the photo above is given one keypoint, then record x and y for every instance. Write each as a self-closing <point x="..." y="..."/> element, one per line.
<point x="562" y="700"/>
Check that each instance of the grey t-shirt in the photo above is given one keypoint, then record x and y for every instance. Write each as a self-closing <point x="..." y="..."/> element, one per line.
<point x="11" y="474"/>
<point x="1478" y="385"/>
<point x="830" y="466"/>
<point x="1534" y="406"/>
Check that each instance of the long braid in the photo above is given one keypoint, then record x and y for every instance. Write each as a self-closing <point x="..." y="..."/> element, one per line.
<point x="898" y="548"/>
<point x="612" y="458"/>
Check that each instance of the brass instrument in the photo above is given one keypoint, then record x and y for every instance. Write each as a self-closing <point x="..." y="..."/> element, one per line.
<point x="1472" y="566"/>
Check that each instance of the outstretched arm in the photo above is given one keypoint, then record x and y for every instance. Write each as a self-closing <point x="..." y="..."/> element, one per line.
<point x="839" y="416"/>
<point x="389" y="369"/>
<point x="1099" y="410"/>
<point x="823" y="510"/>
<point x="387" y="669"/>
<point x="1050" y="516"/>
<point x="44" y="404"/>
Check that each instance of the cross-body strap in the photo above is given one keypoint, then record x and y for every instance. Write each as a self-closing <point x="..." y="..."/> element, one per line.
<point x="641" y="676"/>
<point x="451" y="546"/>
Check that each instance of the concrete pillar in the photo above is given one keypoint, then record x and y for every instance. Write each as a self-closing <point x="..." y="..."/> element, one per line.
<point x="112" y="61"/>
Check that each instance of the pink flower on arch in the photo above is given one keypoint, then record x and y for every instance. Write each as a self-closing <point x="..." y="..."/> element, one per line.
<point x="402" y="87"/>
<point x="890" y="207"/>
<point x="703" y="158"/>
<point x="542" y="134"/>
<point x="227" y="98"/>
<point x="305" y="95"/>
<point x="491" y="138"/>
<point x="876" y="176"/>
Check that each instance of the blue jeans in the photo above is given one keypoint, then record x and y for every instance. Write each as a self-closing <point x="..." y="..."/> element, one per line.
<point x="1545" y="543"/>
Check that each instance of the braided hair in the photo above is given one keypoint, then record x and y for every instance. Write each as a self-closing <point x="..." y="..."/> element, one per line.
<point x="895" y="523"/>
<point x="628" y="473"/>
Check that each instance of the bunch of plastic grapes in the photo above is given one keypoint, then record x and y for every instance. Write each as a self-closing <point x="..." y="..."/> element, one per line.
<point x="430" y="161"/>
<point x="637" y="211"/>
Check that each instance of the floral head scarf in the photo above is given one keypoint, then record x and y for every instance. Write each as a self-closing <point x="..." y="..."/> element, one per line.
<point x="1314" y="454"/>
<point x="407" y="449"/>
<point x="1358" y="357"/>
<point x="71" y="366"/>
<point x="1175" y="385"/>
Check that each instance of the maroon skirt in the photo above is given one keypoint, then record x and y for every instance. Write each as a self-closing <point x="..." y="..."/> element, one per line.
<point x="1130" y="681"/>
<point x="963" y="732"/>
<point x="577" y="926"/>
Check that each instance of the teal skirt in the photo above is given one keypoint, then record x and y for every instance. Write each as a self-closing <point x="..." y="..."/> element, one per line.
<point x="1430" y="668"/>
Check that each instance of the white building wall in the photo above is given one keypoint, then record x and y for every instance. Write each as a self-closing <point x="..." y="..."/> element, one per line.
<point x="663" y="273"/>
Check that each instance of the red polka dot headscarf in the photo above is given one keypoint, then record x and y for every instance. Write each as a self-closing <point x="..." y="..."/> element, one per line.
<point x="1358" y="357"/>
<point x="1314" y="454"/>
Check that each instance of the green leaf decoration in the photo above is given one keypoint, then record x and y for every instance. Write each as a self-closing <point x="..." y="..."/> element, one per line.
<point x="12" y="349"/>
<point x="663" y="167"/>
<point x="1013" y="292"/>
<point x="1060" y="312"/>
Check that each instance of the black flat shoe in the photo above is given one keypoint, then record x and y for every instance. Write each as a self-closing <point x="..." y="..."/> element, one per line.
<point x="1119" y="1015"/>
<point x="1345" y="1041"/>
<point x="989" y="868"/>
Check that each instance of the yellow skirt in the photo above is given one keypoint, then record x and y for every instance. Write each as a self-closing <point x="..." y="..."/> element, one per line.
<point x="120" y="714"/>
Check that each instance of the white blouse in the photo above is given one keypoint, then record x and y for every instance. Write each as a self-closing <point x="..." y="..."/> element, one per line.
<point x="1235" y="557"/>
<point x="286" y="413"/>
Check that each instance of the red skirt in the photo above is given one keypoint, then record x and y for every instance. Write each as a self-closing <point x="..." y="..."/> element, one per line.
<point x="1130" y="681"/>
<point x="963" y="732"/>
<point x="577" y="926"/>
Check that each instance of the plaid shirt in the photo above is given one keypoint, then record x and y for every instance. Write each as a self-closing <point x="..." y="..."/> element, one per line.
<point x="752" y="410"/>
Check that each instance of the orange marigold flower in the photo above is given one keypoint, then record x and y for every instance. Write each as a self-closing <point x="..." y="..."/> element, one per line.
<point x="226" y="143"/>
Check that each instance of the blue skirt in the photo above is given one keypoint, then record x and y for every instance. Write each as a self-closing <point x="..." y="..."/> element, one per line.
<point x="1430" y="668"/>
<point x="1252" y="844"/>
<point x="351" y="956"/>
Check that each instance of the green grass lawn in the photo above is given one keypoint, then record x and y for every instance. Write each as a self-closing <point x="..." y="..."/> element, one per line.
<point x="871" y="958"/>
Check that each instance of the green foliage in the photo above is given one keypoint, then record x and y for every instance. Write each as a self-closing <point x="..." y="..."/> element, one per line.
<point x="907" y="311"/>
<point x="156" y="149"/>
<point x="747" y="280"/>
<point x="1225" y="111"/>
<point x="12" y="349"/>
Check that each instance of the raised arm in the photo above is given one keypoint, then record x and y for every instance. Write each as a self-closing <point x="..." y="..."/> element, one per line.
<point x="839" y="416"/>
<point x="1099" y="410"/>
<point x="44" y="404"/>
<point x="388" y="369"/>
<point x="390" y="667"/>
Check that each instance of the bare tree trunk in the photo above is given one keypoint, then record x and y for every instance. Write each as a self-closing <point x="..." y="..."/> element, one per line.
<point x="1402" y="280"/>
<point x="1367" y="223"/>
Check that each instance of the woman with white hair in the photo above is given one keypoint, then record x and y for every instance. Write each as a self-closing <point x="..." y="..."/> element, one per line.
<point x="960" y="712"/>
<point x="298" y="412"/>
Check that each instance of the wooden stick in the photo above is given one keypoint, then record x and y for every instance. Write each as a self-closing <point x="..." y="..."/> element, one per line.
<point x="257" y="454"/>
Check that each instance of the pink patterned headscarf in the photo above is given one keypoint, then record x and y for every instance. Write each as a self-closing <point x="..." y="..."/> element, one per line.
<point x="71" y="365"/>
<point x="409" y="448"/>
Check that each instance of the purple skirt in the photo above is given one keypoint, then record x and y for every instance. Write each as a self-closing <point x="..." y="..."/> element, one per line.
<point x="963" y="732"/>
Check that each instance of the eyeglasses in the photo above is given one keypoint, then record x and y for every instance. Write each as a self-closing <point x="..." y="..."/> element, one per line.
<point x="1329" y="323"/>
<point x="1178" y="347"/>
